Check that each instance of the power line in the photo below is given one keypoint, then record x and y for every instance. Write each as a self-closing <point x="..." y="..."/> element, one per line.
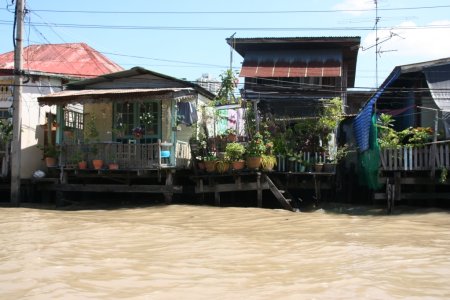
<point x="239" y="12"/>
<point x="200" y="28"/>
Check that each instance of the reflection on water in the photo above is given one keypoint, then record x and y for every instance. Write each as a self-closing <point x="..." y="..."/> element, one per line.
<point x="192" y="252"/>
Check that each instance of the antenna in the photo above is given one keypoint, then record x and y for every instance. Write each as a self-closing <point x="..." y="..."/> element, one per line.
<point x="378" y="50"/>
<point x="376" y="42"/>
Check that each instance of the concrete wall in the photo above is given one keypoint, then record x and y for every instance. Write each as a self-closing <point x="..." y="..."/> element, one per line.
<point x="32" y="116"/>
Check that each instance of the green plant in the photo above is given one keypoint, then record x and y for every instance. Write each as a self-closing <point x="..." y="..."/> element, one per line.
<point x="415" y="136"/>
<point x="210" y="157"/>
<point x="226" y="91"/>
<point x="331" y="115"/>
<point x="295" y="157"/>
<point x="235" y="151"/>
<point x="6" y="131"/>
<point x="230" y="131"/>
<point x="339" y="155"/>
<point x="256" y="146"/>
<point x="91" y="127"/>
<point x="50" y="150"/>
<point x="146" y="119"/>
<point x="387" y="136"/>
<point x="268" y="161"/>
<point x="77" y="156"/>
<point x="222" y="165"/>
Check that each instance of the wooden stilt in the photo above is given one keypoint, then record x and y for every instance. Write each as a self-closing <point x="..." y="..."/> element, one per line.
<point x="169" y="182"/>
<point x="258" y="189"/>
<point x="217" y="198"/>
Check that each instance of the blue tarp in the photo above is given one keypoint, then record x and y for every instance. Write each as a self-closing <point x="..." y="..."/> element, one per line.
<point x="361" y="124"/>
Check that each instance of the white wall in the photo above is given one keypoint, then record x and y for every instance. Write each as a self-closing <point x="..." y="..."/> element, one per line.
<point x="32" y="116"/>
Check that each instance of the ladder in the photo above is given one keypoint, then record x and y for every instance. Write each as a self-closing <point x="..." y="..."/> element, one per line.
<point x="286" y="203"/>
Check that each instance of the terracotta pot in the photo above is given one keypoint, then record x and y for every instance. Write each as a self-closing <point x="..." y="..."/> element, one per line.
<point x="113" y="166"/>
<point x="97" y="163"/>
<point x="201" y="165"/>
<point x="50" y="161"/>
<point x="232" y="137"/>
<point x="210" y="166"/>
<point x="238" y="165"/>
<point x="253" y="162"/>
<point x="318" y="167"/>
<point x="82" y="165"/>
<point x="222" y="167"/>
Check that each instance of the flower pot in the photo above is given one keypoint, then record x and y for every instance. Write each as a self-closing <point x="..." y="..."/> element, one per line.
<point x="222" y="167"/>
<point x="113" y="166"/>
<point x="232" y="137"/>
<point x="253" y="162"/>
<point x="201" y="165"/>
<point x="50" y="161"/>
<point x="210" y="166"/>
<point x="318" y="167"/>
<point x="238" y="165"/>
<point x="82" y="165"/>
<point x="97" y="163"/>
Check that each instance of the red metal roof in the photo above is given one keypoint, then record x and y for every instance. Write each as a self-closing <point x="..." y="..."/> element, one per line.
<point x="284" y="64"/>
<point x="74" y="59"/>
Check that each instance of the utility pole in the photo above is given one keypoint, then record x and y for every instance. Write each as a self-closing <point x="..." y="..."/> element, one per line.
<point x="17" y="105"/>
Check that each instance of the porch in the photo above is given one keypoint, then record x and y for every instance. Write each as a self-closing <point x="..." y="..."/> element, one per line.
<point x="132" y="157"/>
<point x="414" y="174"/>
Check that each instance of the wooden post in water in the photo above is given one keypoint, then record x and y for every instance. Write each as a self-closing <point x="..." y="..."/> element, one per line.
<point x="169" y="183"/>
<point x="259" y="190"/>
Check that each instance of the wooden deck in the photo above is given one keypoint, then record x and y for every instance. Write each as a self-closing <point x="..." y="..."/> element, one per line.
<point x="128" y="156"/>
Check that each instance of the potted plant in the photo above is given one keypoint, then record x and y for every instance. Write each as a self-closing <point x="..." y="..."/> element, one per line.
<point x="235" y="152"/>
<point x="318" y="164"/>
<point x="138" y="132"/>
<point x="96" y="162"/>
<point x="146" y="120"/>
<point x="255" y="148"/>
<point x="51" y="152"/>
<point x="78" y="159"/>
<point x="210" y="163"/>
<point x="112" y="165"/>
<point x="268" y="162"/>
<point x="231" y="135"/>
<point x="222" y="165"/>
<point x="335" y="159"/>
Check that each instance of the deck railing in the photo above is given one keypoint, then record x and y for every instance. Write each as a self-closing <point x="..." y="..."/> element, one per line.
<point x="128" y="156"/>
<point x="427" y="157"/>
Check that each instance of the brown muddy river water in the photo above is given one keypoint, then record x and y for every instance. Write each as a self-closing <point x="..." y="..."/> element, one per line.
<point x="200" y="252"/>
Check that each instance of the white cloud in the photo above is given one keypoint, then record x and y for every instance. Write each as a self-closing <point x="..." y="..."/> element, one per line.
<point x="411" y="46"/>
<point x="355" y="7"/>
<point x="417" y="43"/>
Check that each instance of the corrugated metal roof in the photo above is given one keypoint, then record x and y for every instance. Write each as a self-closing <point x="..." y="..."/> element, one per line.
<point x="74" y="59"/>
<point x="106" y="95"/>
<point x="325" y="63"/>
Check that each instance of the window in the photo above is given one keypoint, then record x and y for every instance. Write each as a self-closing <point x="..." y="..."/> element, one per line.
<point x="127" y="116"/>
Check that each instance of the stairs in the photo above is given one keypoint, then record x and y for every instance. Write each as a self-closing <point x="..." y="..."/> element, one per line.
<point x="279" y="194"/>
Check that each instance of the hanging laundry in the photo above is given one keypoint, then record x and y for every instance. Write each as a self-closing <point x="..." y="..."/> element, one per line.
<point x="187" y="113"/>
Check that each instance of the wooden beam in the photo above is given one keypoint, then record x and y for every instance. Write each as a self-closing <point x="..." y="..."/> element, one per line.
<point x="231" y="187"/>
<point x="113" y="188"/>
<point x="277" y="193"/>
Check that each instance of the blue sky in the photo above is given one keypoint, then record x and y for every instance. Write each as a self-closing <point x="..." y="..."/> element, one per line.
<point x="170" y="45"/>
